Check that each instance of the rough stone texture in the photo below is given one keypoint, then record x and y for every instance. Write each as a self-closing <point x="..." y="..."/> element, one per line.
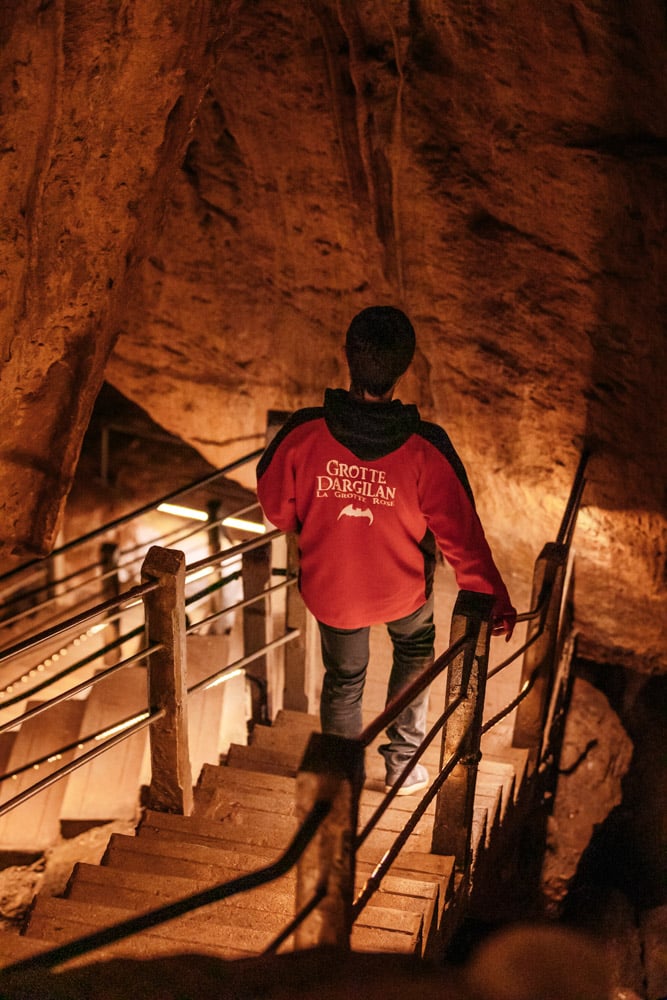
<point x="98" y="102"/>
<point x="49" y="875"/>
<point x="596" y="755"/>
<point x="202" y="195"/>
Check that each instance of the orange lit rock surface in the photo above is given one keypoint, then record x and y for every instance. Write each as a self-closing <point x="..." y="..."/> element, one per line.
<point x="199" y="197"/>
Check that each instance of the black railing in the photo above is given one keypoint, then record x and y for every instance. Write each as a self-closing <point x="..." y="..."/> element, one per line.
<point x="38" y="586"/>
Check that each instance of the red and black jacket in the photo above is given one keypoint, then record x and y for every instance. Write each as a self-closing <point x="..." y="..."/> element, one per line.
<point x="371" y="489"/>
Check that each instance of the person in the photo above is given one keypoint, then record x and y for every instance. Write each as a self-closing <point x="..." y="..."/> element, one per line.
<point x="371" y="489"/>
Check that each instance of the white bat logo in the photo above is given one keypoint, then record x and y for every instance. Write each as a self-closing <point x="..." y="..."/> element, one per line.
<point x="351" y="511"/>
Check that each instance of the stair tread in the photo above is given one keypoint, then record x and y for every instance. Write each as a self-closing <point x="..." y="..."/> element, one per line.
<point x="194" y="860"/>
<point x="223" y="801"/>
<point x="107" y="788"/>
<point x="253" y="758"/>
<point x="216" y="775"/>
<point x="151" y="889"/>
<point x="289" y="718"/>
<point x="237" y="781"/>
<point x="249" y="826"/>
<point x="69" y="918"/>
<point x="35" y="824"/>
<point x="15" y="946"/>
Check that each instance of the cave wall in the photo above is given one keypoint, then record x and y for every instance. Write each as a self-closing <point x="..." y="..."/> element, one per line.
<point x="97" y="106"/>
<point x="201" y="196"/>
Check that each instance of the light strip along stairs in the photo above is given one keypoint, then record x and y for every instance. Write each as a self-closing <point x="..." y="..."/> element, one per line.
<point x="243" y="819"/>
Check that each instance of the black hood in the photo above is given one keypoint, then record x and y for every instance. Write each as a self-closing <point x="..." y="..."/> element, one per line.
<point x="369" y="430"/>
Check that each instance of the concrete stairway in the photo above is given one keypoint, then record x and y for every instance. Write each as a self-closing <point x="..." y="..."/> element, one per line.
<point x="243" y="819"/>
<point x="35" y="824"/>
<point x="107" y="788"/>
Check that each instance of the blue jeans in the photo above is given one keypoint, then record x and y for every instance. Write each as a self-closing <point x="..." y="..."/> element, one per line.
<point x="345" y="655"/>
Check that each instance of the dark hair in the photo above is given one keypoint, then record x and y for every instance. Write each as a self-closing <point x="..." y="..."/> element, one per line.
<point x="380" y="344"/>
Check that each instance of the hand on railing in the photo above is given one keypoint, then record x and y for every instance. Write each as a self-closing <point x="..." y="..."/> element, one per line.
<point x="503" y="619"/>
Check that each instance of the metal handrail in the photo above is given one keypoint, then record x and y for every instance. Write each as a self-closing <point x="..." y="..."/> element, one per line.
<point x="102" y="675"/>
<point x="225" y="554"/>
<point x="381" y="809"/>
<point x="50" y="779"/>
<point x="153" y="918"/>
<point x="129" y="597"/>
<point x="373" y="882"/>
<point x="114" y="603"/>
<point x="176" y="537"/>
<point x="573" y="504"/>
<point x="409" y="693"/>
<point x="145" y="509"/>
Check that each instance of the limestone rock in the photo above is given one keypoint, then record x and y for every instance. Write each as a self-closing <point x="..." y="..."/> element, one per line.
<point x="595" y="757"/>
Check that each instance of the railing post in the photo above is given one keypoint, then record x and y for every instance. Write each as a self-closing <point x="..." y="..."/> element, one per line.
<point x="539" y="661"/>
<point x="331" y="771"/>
<point x="109" y="558"/>
<point x="256" y="576"/>
<point x="171" y="776"/>
<point x="466" y="679"/>
<point x="216" y="541"/>
<point x="302" y="664"/>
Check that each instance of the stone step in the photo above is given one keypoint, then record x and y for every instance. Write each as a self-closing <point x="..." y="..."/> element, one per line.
<point x="202" y="842"/>
<point x="502" y="774"/>
<point x="107" y="788"/>
<point x="66" y="919"/>
<point x="212" y="776"/>
<point x="63" y="920"/>
<point x="281" y="743"/>
<point x="277" y="747"/>
<point x="270" y="906"/>
<point x="478" y="832"/>
<point x="370" y="939"/>
<point x="254" y="758"/>
<point x="35" y="824"/>
<point x="489" y="799"/>
<point x="423" y="891"/>
<point x="517" y="758"/>
<point x="260" y="759"/>
<point x="225" y="799"/>
<point x="141" y="889"/>
<point x="216" y="862"/>
<point x="251" y="826"/>
<point x="162" y="855"/>
<point x="266" y="785"/>
<point x="14" y="947"/>
<point x="300" y="722"/>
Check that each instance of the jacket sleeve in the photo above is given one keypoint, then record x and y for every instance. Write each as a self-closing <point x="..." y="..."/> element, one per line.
<point x="448" y="507"/>
<point x="276" y="484"/>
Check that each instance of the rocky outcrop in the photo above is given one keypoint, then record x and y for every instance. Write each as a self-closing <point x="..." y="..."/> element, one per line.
<point x="201" y="197"/>
<point x="595" y="757"/>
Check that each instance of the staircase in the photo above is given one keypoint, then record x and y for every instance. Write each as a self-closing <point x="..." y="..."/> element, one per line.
<point x="243" y="819"/>
<point x="107" y="788"/>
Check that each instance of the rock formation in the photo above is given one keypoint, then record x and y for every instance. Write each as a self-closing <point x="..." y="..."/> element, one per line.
<point x="197" y="198"/>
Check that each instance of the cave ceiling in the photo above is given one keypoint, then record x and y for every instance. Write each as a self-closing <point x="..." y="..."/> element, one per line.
<point x="198" y="197"/>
